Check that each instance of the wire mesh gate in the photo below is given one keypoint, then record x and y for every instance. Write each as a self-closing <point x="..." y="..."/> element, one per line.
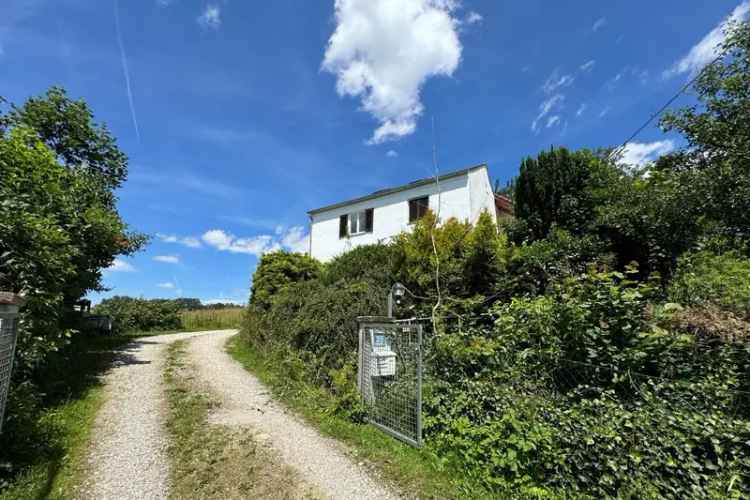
<point x="390" y="376"/>
<point x="9" y="304"/>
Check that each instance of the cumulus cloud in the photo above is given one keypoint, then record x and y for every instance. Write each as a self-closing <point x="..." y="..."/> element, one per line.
<point x="599" y="24"/>
<point x="166" y="285"/>
<point x="210" y="18"/>
<point x="707" y="49"/>
<point x="638" y="154"/>
<point x="383" y="51"/>
<point x="167" y="259"/>
<point x="188" y="241"/>
<point x="120" y="266"/>
<point x="293" y="239"/>
<point x="391" y="154"/>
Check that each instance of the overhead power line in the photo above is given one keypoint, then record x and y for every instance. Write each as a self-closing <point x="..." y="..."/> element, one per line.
<point x="661" y="110"/>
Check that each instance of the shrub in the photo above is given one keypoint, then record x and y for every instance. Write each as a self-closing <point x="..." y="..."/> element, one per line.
<point x="277" y="270"/>
<point x="371" y="263"/>
<point x="704" y="278"/>
<point x="140" y="315"/>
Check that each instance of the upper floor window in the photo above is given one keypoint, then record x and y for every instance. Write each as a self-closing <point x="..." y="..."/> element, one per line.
<point x="356" y="223"/>
<point x="418" y="208"/>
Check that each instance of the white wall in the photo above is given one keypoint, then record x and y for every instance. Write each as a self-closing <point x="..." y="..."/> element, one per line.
<point x="462" y="197"/>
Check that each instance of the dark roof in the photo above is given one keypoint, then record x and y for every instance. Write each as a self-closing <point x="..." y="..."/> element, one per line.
<point x="503" y="204"/>
<point x="11" y="299"/>
<point x="410" y="185"/>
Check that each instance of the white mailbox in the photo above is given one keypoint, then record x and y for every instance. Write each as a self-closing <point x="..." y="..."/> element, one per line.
<point x="383" y="360"/>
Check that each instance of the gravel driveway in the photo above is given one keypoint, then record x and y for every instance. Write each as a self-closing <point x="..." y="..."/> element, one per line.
<point x="320" y="461"/>
<point x="127" y="459"/>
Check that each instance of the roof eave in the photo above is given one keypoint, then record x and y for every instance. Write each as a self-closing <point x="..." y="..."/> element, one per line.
<point x="398" y="189"/>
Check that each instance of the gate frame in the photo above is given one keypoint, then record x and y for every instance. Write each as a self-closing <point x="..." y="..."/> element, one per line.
<point x="10" y="303"/>
<point x="389" y="322"/>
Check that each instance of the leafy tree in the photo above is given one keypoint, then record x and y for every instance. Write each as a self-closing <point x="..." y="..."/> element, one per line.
<point x="59" y="226"/>
<point x="717" y="130"/>
<point x="67" y="127"/>
<point x="559" y="187"/>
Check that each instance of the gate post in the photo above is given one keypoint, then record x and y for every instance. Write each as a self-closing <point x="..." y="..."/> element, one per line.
<point x="10" y="303"/>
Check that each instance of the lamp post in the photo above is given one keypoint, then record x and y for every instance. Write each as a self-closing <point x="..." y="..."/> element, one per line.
<point x="10" y="303"/>
<point x="398" y="291"/>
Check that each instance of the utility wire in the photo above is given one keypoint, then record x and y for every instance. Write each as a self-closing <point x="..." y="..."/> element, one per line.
<point x="661" y="110"/>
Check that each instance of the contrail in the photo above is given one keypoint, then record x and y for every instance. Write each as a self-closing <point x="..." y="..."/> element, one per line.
<point x="124" y="60"/>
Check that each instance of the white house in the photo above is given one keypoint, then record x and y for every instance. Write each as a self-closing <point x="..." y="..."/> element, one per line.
<point x="377" y="217"/>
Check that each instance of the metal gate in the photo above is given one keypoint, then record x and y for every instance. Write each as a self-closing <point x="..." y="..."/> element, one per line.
<point x="390" y="376"/>
<point x="9" y="304"/>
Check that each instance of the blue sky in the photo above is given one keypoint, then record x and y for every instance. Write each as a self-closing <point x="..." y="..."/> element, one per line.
<point x="238" y="116"/>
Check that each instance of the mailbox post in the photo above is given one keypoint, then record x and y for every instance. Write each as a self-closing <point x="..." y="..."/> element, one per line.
<point x="10" y="303"/>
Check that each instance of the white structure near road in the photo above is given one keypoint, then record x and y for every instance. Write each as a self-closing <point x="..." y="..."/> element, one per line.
<point x="378" y="217"/>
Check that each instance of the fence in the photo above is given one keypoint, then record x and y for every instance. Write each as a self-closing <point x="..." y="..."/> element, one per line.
<point x="9" y="304"/>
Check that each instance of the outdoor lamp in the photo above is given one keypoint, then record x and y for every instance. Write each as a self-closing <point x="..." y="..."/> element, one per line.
<point x="398" y="291"/>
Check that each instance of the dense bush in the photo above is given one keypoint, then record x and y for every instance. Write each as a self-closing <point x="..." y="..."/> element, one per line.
<point x="131" y="314"/>
<point x="276" y="271"/>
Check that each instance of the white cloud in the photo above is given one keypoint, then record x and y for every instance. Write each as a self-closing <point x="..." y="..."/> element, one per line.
<point x="581" y="109"/>
<point x="599" y="24"/>
<point x="383" y="51"/>
<point x="188" y="241"/>
<point x="211" y="17"/>
<point x="546" y="107"/>
<point x="640" y="154"/>
<point x="553" y="120"/>
<point x="167" y="285"/>
<point x="555" y="82"/>
<point x="708" y="48"/>
<point x="587" y="66"/>
<point x="121" y="266"/>
<point x="167" y="259"/>
<point x="293" y="239"/>
<point x="473" y="18"/>
<point x="605" y="111"/>
<point x="391" y="154"/>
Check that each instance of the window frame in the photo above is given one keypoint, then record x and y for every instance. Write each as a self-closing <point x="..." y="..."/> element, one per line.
<point x="363" y="220"/>
<point x="424" y="206"/>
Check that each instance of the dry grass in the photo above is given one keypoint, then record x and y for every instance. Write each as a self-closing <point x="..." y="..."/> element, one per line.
<point x="212" y="319"/>
<point x="216" y="461"/>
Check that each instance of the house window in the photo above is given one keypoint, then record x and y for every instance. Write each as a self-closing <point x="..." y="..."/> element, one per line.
<point x="356" y="223"/>
<point x="418" y="208"/>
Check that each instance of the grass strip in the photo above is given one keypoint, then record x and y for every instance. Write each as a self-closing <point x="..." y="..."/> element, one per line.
<point x="216" y="461"/>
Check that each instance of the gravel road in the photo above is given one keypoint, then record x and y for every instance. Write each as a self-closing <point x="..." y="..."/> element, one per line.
<point x="127" y="459"/>
<point x="320" y="461"/>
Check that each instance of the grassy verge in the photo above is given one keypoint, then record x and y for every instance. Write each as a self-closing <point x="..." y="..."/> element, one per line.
<point x="214" y="461"/>
<point x="49" y="445"/>
<point x="416" y="472"/>
<point x="212" y="319"/>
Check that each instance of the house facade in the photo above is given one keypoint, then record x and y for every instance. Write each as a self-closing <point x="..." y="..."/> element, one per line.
<point x="378" y="217"/>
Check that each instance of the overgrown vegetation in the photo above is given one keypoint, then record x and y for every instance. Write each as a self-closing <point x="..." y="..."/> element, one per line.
<point x="595" y="346"/>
